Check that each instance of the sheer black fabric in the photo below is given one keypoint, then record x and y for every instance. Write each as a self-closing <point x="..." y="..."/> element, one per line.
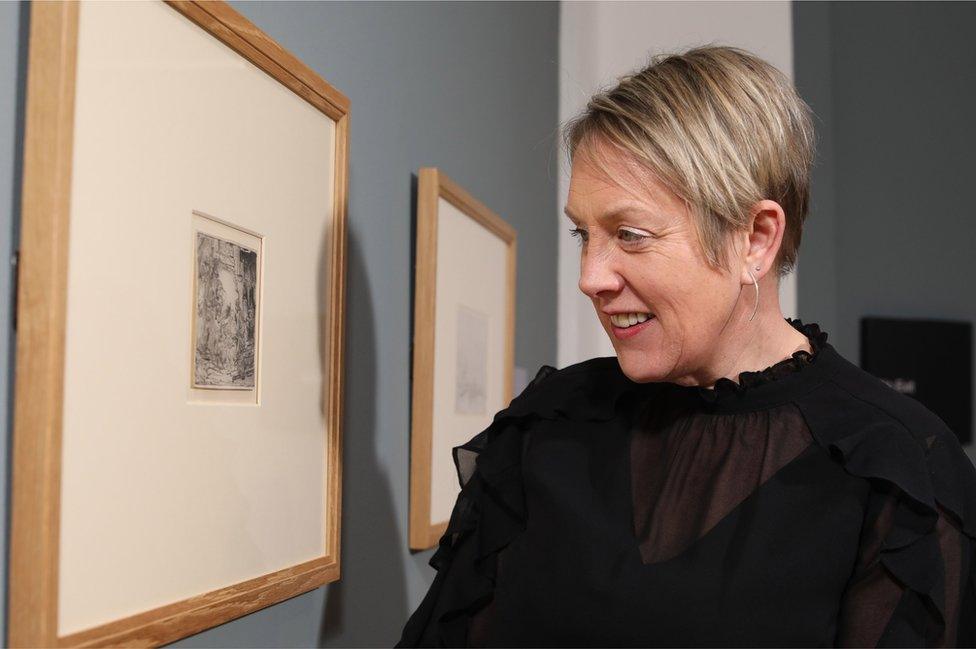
<point x="806" y="504"/>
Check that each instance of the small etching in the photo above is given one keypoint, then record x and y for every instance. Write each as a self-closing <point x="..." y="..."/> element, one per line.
<point x="226" y="312"/>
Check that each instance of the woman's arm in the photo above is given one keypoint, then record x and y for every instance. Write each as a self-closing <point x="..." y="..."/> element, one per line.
<point x="878" y="609"/>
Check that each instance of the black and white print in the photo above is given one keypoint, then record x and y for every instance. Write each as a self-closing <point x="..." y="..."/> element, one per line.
<point x="226" y="313"/>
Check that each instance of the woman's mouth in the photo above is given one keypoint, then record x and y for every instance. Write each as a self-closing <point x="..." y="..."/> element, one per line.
<point x="625" y="325"/>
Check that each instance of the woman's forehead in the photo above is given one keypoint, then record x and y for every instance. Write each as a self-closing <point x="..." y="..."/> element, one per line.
<point x="605" y="191"/>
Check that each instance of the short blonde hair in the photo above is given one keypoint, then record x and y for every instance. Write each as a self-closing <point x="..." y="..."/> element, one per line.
<point x="722" y="129"/>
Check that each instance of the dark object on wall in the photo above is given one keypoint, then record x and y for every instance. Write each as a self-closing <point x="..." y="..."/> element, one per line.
<point x="930" y="360"/>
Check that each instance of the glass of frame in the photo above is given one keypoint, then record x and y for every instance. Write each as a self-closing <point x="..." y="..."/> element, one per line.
<point x="464" y="340"/>
<point x="177" y="442"/>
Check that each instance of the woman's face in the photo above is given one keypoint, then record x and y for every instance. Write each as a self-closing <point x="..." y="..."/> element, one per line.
<point x="640" y="260"/>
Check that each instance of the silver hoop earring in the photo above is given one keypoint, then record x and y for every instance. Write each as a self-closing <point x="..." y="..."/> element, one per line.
<point x="756" y="284"/>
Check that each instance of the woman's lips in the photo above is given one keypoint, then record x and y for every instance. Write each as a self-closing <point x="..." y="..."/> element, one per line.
<point x="622" y="333"/>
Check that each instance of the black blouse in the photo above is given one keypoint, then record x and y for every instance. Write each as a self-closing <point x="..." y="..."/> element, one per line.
<point x="807" y="504"/>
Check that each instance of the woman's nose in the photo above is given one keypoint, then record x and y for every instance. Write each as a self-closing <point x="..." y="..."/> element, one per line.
<point x="597" y="274"/>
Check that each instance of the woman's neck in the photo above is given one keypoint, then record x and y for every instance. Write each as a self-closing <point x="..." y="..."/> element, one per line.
<point x="763" y="342"/>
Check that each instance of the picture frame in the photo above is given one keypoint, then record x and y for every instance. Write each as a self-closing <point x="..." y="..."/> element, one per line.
<point x="149" y="502"/>
<point x="463" y="340"/>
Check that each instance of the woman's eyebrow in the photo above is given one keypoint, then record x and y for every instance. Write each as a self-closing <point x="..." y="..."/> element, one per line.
<point x="615" y="212"/>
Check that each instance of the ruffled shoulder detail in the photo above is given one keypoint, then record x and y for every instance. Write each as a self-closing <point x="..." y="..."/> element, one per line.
<point x="490" y="509"/>
<point x="587" y="391"/>
<point x="893" y="441"/>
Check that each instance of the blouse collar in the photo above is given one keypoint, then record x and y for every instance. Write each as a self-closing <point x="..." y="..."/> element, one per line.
<point x="594" y="390"/>
<point x="778" y="383"/>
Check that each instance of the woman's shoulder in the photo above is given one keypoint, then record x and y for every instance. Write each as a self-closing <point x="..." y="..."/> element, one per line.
<point x="914" y="464"/>
<point x="852" y="407"/>
<point x="589" y="390"/>
<point x="597" y="369"/>
<point x="893" y="440"/>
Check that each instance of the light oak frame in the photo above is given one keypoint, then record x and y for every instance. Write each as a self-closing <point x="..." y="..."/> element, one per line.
<point x="41" y="310"/>
<point x="432" y="185"/>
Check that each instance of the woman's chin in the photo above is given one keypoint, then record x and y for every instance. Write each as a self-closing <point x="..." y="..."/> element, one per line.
<point x="636" y="367"/>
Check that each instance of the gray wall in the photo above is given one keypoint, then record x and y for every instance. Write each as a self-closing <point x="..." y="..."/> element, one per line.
<point x="816" y="265"/>
<point x="893" y="227"/>
<point x="467" y="87"/>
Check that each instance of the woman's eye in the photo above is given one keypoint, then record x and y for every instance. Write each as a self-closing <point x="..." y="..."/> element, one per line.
<point x="580" y="234"/>
<point x="629" y="236"/>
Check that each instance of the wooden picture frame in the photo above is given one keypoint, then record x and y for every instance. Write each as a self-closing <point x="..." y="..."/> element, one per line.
<point x="463" y="343"/>
<point x="48" y="462"/>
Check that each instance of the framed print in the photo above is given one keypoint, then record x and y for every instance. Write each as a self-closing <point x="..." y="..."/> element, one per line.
<point x="464" y="340"/>
<point x="178" y="393"/>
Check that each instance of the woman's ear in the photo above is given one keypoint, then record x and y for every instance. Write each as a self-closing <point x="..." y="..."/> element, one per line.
<point x="767" y="223"/>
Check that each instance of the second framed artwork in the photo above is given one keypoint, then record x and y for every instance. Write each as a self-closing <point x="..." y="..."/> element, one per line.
<point x="464" y="340"/>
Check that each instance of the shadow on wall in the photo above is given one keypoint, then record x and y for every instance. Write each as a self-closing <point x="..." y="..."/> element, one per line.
<point x="368" y="606"/>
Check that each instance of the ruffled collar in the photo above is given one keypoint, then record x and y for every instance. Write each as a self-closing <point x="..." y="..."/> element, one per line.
<point x="763" y="388"/>
<point x="794" y="363"/>
<point x="594" y="390"/>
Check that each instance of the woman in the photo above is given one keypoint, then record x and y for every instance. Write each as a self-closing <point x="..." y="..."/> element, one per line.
<point x="728" y="478"/>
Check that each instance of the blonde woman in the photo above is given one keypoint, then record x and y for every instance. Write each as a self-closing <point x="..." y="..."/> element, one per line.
<point x="728" y="478"/>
